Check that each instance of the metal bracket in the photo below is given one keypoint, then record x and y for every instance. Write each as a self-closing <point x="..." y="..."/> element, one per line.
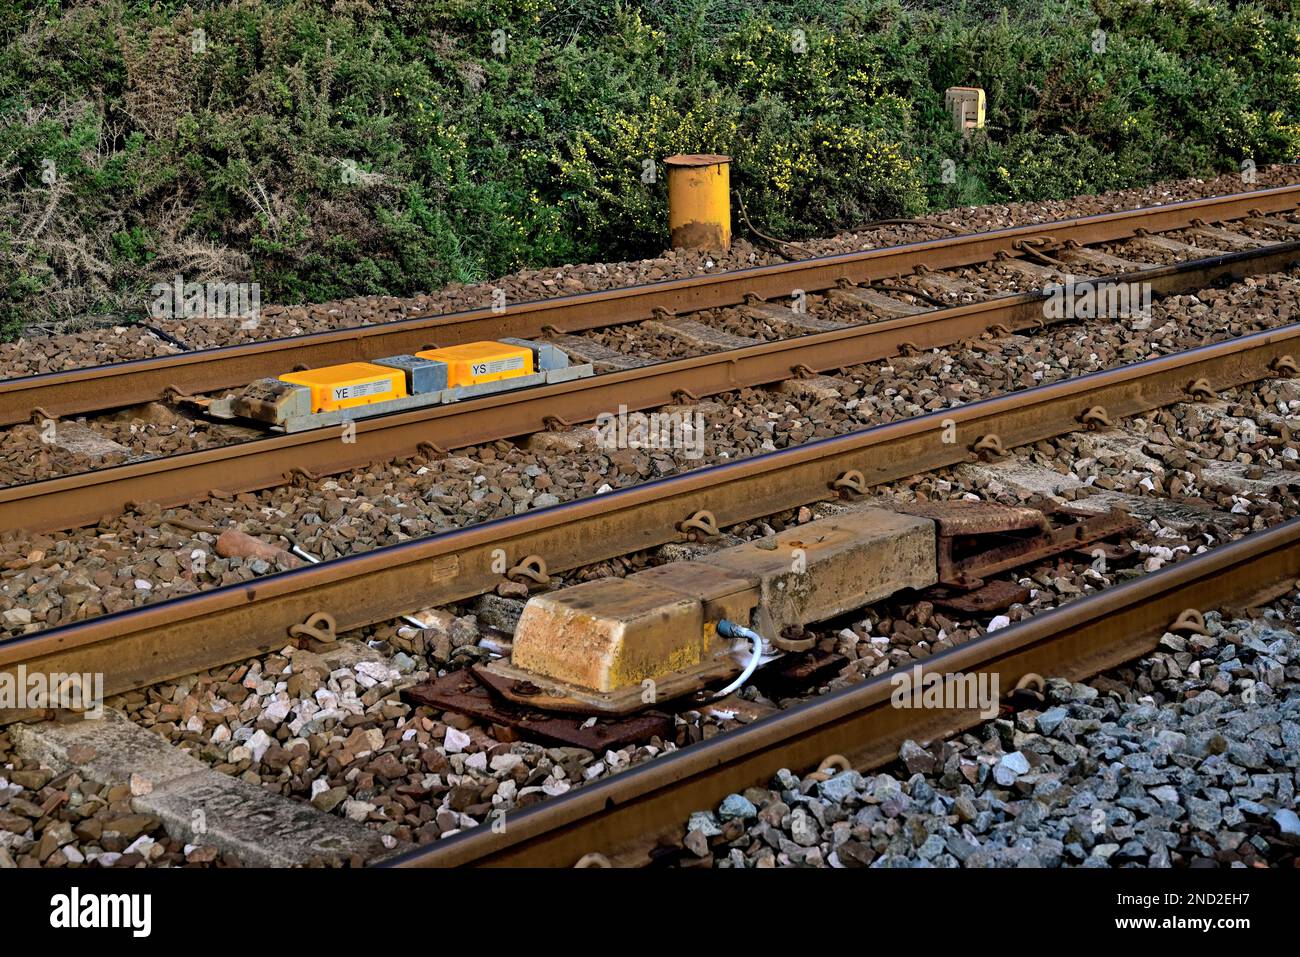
<point x="702" y="522"/>
<point x="989" y="444"/>
<point x="1189" y="622"/>
<point x="851" y="481"/>
<point x="832" y="762"/>
<point x="1096" y="418"/>
<point x="320" y="628"/>
<point x="532" y="567"/>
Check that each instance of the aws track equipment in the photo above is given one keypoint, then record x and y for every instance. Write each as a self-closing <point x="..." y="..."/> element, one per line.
<point x="314" y="398"/>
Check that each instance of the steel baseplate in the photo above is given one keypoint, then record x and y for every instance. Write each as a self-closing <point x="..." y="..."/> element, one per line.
<point x="525" y="707"/>
<point x="461" y="692"/>
<point x="531" y="689"/>
<point x="979" y="539"/>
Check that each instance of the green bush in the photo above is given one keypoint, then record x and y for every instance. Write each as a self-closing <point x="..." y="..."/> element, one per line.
<point x="394" y="146"/>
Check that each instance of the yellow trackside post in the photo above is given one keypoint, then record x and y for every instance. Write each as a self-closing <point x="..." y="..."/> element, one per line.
<point x="699" y="201"/>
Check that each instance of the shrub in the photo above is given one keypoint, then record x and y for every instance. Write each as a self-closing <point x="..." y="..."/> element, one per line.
<point x="393" y="146"/>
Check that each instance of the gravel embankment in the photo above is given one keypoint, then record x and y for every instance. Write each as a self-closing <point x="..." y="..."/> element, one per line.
<point x="1187" y="758"/>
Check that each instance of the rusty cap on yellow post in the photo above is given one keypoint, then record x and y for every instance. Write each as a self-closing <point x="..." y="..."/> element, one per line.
<point x="699" y="200"/>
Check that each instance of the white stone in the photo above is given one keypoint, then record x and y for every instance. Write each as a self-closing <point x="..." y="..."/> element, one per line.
<point x="141" y="845"/>
<point x="357" y="810"/>
<point x="259" y="743"/>
<point x="277" y="711"/>
<point x="327" y="699"/>
<point x="378" y="671"/>
<point x="456" y="741"/>
<point x="504" y="762"/>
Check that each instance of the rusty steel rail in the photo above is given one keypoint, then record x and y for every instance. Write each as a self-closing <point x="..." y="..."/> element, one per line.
<point x="85" y="498"/>
<point x="96" y="388"/>
<point x="624" y="816"/>
<point x="195" y="632"/>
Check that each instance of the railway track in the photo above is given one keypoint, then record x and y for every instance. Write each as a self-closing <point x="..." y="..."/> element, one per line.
<point x="1081" y="638"/>
<point x="61" y="394"/>
<point x="179" y="636"/>
<point x="626" y="815"/>
<point x="84" y="498"/>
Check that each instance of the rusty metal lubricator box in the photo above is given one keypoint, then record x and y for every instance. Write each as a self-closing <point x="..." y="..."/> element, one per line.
<point x="472" y="363"/>
<point x="348" y="385"/>
<point x="593" y="647"/>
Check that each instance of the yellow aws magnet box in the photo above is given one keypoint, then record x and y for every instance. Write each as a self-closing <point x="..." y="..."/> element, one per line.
<point x="473" y="362"/>
<point x="348" y="385"/>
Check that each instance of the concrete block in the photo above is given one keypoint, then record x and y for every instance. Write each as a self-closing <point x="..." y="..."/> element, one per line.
<point x="833" y="565"/>
<point x="83" y="440"/>
<point x="721" y="593"/>
<point x="602" y="357"/>
<point x="700" y="336"/>
<point x="197" y="804"/>
<point x="609" y="634"/>
<point x="818" y="388"/>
